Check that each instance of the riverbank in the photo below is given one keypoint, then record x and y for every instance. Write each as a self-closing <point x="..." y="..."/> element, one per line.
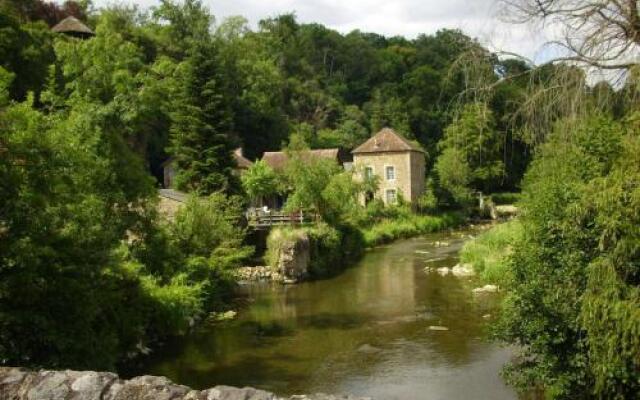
<point x="405" y="227"/>
<point x="21" y="384"/>
<point x="490" y="252"/>
<point x="320" y="251"/>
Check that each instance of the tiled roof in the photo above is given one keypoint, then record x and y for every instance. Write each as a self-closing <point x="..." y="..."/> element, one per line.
<point x="241" y="161"/>
<point x="387" y="141"/>
<point x="278" y="159"/>
<point x="72" y="25"/>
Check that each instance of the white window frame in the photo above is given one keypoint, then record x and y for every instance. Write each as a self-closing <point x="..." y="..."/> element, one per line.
<point x="386" y="172"/>
<point x="369" y="168"/>
<point x="395" y="196"/>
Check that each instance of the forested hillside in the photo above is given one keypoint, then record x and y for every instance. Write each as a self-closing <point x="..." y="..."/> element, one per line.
<point x="223" y="85"/>
<point x="198" y="87"/>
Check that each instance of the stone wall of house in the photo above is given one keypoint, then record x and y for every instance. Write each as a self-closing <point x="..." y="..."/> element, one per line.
<point x="409" y="172"/>
<point x="168" y="207"/>
<point x="20" y="384"/>
<point x="417" y="175"/>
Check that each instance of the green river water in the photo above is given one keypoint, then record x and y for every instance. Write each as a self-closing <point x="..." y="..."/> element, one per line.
<point x="365" y="332"/>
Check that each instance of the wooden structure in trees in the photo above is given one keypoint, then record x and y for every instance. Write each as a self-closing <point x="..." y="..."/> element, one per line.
<point x="258" y="219"/>
<point x="72" y="26"/>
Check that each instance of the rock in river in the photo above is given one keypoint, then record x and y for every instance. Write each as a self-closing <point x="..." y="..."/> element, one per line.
<point x="485" y="289"/>
<point x="463" y="270"/>
<point x="438" y="328"/>
<point x="368" y="349"/>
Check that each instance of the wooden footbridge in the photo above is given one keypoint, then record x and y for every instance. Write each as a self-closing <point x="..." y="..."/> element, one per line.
<point x="259" y="219"/>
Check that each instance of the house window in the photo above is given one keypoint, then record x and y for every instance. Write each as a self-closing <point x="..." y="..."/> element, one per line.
<point x="391" y="196"/>
<point x="390" y="172"/>
<point x="368" y="172"/>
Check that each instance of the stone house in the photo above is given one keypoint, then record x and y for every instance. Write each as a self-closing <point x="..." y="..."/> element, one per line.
<point x="399" y="164"/>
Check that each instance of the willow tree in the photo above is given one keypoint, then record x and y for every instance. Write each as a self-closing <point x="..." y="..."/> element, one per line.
<point x="601" y="33"/>
<point x="574" y="292"/>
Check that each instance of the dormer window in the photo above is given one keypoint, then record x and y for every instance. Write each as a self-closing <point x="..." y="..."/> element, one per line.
<point x="390" y="172"/>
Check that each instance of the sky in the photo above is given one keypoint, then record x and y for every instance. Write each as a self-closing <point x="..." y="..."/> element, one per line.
<point x="409" y="18"/>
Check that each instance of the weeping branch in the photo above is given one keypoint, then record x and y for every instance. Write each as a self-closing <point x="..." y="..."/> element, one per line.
<point x="604" y="34"/>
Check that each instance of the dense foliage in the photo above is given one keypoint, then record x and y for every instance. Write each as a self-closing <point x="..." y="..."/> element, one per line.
<point x="88" y="272"/>
<point x="471" y="154"/>
<point x="261" y="181"/>
<point x="210" y="88"/>
<point x="573" y="294"/>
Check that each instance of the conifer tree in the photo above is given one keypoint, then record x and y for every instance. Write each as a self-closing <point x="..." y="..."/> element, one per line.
<point x="200" y="141"/>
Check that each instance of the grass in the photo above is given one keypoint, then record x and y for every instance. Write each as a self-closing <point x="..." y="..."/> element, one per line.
<point x="489" y="253"/>
<point x="411" y="225"/>
<point x="275" y="240"/>
<point x="505" y="198"/>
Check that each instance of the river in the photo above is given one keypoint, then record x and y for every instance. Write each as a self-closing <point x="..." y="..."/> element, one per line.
<point x="365" y="332"/>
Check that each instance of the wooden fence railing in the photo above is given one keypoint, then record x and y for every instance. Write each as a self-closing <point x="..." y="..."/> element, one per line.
<point x="265" y="219"/>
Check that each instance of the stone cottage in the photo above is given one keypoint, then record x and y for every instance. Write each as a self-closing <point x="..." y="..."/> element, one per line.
<point x="399" y="164"/>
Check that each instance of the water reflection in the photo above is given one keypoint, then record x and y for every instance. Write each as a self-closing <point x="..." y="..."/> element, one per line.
<point x="365" y="332"/>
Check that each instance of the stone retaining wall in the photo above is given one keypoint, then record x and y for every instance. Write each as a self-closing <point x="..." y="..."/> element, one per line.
<point x="21" y="384"/>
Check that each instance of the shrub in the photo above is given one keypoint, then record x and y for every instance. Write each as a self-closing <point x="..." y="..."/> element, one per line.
<point x="505" y="198"/>
<point x="377" y="211"/>
<point x="326" y="250"/>
<point x="428" y="202"/>
<point x="260" y="181"/>
<point x="573" y="301"/>
<point x="454" y="176"/>
<point x="209" y="237"/>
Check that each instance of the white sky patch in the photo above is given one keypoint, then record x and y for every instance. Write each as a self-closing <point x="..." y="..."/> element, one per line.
<point x="408" y="18"/>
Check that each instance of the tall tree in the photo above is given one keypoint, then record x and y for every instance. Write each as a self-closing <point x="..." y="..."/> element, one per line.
<point x="200" y="139"/>
<point x="474" y="136"/>
<point x="26" y="50"/>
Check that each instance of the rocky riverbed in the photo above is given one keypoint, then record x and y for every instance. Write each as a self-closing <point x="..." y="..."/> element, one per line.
<point x="21" y="384"/>
<point x="258" y="274"/>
